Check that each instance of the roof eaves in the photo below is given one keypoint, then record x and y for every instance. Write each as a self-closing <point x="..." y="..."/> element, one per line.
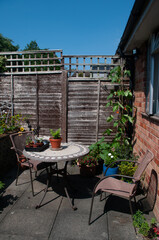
<point x="136" y="13"/>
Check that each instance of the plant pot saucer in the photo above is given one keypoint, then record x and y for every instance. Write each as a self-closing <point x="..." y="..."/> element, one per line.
<point x="56" y="149"/>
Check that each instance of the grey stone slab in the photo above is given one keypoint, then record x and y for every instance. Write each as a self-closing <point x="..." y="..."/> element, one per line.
<point x="19" y="237"/>
<point x="83" y="206"/>
<point x="8" y="200"/>
<point x="120" y="226"/>
<point x="28" y="223"/>
<point x="74" y="224"/>
<point x="119" y="219"/>
<point x="50" y="203"/>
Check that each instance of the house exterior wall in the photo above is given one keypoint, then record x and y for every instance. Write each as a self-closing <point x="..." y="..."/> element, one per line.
<point x="146" y="132"/>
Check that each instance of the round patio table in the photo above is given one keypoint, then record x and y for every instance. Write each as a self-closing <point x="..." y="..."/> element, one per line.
<point x="67" y="152"/>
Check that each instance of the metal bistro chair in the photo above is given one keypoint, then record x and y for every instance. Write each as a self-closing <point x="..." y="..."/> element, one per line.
<point x="19" y="141"/>
<point x="119" y="187"/>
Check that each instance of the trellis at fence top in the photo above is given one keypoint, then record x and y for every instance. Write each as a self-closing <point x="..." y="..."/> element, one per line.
<point x="51" y="61"/>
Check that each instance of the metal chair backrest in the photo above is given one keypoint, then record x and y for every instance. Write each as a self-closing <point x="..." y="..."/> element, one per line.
<point x="143" y="164"/>
<point x="19" y="140"/>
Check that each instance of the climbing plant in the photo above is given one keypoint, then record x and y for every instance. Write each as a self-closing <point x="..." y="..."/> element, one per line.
<point x="120" y="100"/>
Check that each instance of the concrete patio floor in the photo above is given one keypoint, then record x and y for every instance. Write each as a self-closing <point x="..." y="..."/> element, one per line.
<point x="19" y="219"/>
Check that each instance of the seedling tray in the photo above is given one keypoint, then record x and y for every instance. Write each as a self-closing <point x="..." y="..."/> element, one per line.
<point x="38" y="149"/>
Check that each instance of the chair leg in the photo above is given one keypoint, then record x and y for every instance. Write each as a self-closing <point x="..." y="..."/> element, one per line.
<point x="90" y="214"/>
<point x="17" y="175"/>
<point x="130" y="204"/>
<point x="31" y="180"/>
<point x="101" y="196"/>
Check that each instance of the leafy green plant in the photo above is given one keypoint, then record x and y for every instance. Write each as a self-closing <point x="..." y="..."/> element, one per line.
<point x="96" y="149"/>
<point x="10" y="123"/>
<point x="138" y="219"/>
<point x="128" y="169"/>
<point x="119" y="100"/>
<point x="55" y="134"/>
<point x="28" y="140"/>
<point x="144" y="229"/>
<point x="151" y="231"/>
<point x="1" y="185"/>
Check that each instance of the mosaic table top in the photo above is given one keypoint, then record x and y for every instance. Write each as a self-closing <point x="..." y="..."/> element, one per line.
<point x="67" y="152"/>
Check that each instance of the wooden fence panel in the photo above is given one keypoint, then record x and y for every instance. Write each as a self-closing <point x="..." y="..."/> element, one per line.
<point x="51" y="97"/>
<point x="40" y="98"/>
<point x="5" y="88"/>
<point x="24" y="97"/>
<point x="82" y="111"/>
<point x="86" y="111"/>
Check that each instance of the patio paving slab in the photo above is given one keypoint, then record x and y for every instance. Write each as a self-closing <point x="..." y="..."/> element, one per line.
<point x="19" y="237"/>
<point x="28" y="223"/>
<point x="56" y="219"/>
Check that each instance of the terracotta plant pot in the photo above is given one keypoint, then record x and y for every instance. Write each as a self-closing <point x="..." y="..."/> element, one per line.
<point x="55" y="143"/>
<point x="40" y="144"/>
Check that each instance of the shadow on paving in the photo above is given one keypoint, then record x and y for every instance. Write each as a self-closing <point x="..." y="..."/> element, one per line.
<point x="111" y="218"/>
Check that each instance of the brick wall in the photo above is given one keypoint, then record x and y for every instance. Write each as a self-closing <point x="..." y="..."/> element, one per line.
<point x="146" y="128"/>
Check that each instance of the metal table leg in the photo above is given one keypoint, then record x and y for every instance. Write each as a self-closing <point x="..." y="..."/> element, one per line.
<point x="62" y="172"/>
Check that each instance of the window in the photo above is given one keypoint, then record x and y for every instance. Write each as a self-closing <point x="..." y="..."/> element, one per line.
<point x="152" y="96"/>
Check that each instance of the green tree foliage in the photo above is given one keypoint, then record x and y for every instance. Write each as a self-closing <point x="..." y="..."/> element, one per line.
<point x="2" y="64"/>
<point x="6" y="44"/>
<point x="32" y="46"/>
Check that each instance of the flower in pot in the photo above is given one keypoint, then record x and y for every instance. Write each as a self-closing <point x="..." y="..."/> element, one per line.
<point x="55" y="139"/>
<point x="87" y="165"/>
<point x="109" y="157"/>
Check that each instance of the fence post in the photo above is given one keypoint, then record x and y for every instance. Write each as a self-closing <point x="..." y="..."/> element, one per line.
<point x="64" y="106"/>
<point x="12" y="95"/>
<point x="37" y="104"/>
<point x="98" y="105"/>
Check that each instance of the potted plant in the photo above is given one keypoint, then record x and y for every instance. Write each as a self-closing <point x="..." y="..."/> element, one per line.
<point x="96" y="150"/>
<point x="109" y="157"/>
<point x="38" y="142"/>
<point x="55" y="139"/>
<point x="87" y="165"/>
<point x="29" y="142"/>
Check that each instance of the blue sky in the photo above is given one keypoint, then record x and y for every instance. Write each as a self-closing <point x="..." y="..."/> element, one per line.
<point x="76" y="27"/>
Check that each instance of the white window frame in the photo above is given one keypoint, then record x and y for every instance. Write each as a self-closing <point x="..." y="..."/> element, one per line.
<point x="152" y="75"/>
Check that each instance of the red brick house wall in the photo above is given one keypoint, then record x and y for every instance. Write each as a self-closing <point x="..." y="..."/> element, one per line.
<point x="146" y="133"/>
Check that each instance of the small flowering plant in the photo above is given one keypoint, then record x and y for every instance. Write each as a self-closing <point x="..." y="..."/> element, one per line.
<point x="156" y="232"/>
<point x="149" y="231"/>
<point x="108" y="157"/>
<point x="88" y="161"/>
<point x="10" y="123"/>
